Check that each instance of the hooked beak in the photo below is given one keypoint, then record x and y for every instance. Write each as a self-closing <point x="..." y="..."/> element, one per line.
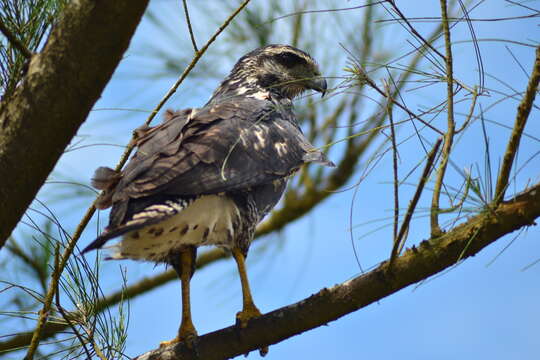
<point x="319" y="85"/>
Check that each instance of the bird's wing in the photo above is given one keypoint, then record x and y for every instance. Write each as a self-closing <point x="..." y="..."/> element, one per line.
<point x="150" y="142"/>
<point x="224" y="147"/>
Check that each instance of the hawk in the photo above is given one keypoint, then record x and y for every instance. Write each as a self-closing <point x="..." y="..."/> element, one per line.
<point x="208" y="176"/>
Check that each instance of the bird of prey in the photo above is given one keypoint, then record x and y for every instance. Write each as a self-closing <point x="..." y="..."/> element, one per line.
<point x="208" y="176"/>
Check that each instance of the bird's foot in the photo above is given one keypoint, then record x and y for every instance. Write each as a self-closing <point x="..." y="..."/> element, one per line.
<point x="186" y="335"/>
<point x="243" y="317"/>
<point x="263" y="351"/>
<point x="169" y="342"/>
<point x="249" y="312"/>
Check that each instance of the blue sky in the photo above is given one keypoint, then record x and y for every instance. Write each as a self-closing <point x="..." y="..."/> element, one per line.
<point x="479" y="309"/>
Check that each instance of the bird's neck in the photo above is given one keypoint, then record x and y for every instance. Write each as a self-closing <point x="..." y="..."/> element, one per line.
<point x="249" y="86"/>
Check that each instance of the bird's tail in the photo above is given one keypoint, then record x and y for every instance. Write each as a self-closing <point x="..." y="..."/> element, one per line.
<point x="318" y="157"/>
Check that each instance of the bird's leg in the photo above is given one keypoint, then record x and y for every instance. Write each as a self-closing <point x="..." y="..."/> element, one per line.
<point x="249" y="310"/>
<point x="187" y="330"/>
<point x="185" y="267"/>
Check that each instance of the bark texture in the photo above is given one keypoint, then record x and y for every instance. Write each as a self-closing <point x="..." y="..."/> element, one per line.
<point x="62" y="84"/>
<point x="416" y="264"/>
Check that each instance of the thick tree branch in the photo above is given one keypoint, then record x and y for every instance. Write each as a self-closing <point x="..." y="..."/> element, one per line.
<point x="62" y="84"/>
<point x="416" y="264"/>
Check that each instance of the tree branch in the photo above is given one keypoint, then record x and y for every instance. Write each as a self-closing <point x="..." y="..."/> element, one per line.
<point x="416" y="264"/>
<point x="401" y="237"/>
<point x="188" y="21"/>
<point x="451" y="125"/>
<point x="523" y="111"/>
<point x="16" y="43"/>
<point x="62" y="84"/>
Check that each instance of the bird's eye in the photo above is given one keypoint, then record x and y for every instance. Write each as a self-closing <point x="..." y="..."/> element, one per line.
<point x="289" y="59"/>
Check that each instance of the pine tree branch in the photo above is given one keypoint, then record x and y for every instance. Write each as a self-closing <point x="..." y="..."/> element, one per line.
<point x="188" y="21"/>
<point x="523" y="111"/>
<point x="16" y="43"/>
<point x="401" y="237"/>
<point x="62" y="84"/>
<point x="329" y="304"/>
<point x="451" y="124"/>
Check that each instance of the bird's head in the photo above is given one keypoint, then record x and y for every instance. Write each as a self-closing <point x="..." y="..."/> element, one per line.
<point x="281" y="69"/>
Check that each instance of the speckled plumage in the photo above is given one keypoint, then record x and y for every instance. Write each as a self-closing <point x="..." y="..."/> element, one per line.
<point x="208" y="176"/>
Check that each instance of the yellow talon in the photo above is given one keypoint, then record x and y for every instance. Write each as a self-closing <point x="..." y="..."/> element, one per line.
<point x="187" y="333"/>
<point x="169" y="342"/>
<point x="186" y="336"/>
<point x="249" y="312"/>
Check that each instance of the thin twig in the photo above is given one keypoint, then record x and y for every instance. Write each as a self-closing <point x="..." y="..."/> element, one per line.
<point x="96" y="348"/>
<point x="478" y="55"/>
<point x="17" y="44"/>
<point x="394" y="160"/>
<point x="188" y="20"/>
<point x="471" y="111"/>
<point x="412" y="29"/>
<point x="364" y="77"/>
<point x="523" y="112"/>
<point x="449" y="135"/>
<point x="398" y="243"/>
<point x="304" y="12"/>
<point x="461" y="201"/>
<point x="65" y="315"/>
<point x="44" y="313"/>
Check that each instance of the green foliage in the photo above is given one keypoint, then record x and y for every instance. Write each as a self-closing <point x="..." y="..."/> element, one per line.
<point x="29" y="21"/>
<point x="90" y="331"/>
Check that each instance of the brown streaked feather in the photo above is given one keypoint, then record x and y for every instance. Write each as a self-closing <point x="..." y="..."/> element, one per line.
<point x="105" y="178"/>
<point x="224" y="147"/>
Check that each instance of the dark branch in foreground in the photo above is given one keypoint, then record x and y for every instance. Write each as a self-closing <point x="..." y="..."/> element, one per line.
<point x="416" y="264"/>
<point x="62" y="84"/>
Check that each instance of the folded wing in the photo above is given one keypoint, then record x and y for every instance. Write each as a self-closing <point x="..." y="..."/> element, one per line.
<point x="226" y="147"/>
